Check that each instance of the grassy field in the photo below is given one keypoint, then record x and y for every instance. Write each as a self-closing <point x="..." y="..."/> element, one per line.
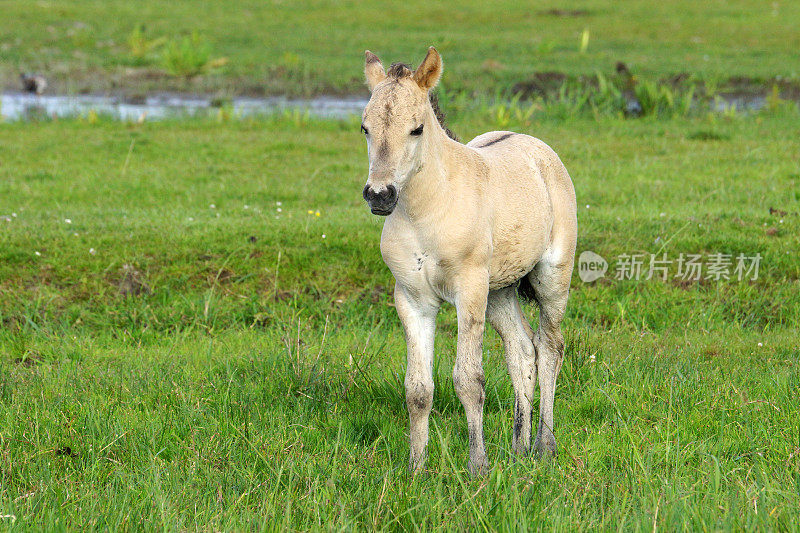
<point x="314" y="47"/>
<point x="198" y="333"/>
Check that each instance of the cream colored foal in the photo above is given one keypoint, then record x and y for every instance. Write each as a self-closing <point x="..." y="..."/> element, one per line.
<point x="470" y="225"/>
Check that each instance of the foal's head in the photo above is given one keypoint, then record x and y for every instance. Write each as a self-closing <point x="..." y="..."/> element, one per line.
<point x="396" y="121"/>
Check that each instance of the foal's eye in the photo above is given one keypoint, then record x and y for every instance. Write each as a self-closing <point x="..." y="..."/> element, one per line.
<point x="417" y="131"/>
<point x="364" y="130"/>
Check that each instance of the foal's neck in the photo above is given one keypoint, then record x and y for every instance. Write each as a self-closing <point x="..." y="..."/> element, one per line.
<point x="429" y="190"/>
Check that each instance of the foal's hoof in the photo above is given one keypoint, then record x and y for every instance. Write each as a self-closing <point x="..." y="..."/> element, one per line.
<point x="478" y="468"/>
<point x="416" y="462"/>
<point x="545" y="447"/>
<point x="519" y="449"/>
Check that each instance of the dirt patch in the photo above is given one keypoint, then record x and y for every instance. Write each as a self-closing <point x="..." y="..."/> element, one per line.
<point x="132" y="282"/>
<point x="222" y="276"/>
<point x="774" y="211"/>
<point x="378" y="293"/>
<point x="565" y="13"/>
<point x="540" y="84"/>
<point x="708" y="135"/>
<point x="745" y="86"/>
<point x="548" y="83"/>
<point x="66" y="451"/>
<point x="29" y="359"/>
<point x="677" y="80"/>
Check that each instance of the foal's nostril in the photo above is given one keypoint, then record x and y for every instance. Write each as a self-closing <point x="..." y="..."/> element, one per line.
<point x="365" y="193"/>
<point x="392" y="194"/>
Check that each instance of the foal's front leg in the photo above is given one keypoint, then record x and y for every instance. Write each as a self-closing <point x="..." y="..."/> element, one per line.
<point x="419" y="322"/>
<point x="468" y="375"/>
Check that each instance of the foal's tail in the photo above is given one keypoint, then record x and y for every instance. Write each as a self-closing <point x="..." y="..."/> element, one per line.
<point x="525" y="290"/>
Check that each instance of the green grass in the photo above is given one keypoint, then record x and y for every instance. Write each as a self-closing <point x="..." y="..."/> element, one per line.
<point x="317" y="47"/>
<point x="253" y="376"/>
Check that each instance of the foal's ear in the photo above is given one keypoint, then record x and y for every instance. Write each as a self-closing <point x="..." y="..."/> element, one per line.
<point x="373" y="70"/>
<point x="428" y="73"/>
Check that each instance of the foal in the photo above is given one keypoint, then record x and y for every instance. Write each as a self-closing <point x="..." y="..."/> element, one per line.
<point x="469" y="224"/>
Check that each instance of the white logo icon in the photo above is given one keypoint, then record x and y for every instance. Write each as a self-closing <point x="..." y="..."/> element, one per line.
<point x="591" y="266"/>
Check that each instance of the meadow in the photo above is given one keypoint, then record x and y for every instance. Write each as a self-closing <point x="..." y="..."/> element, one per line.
<point x="198" y="333"/>
<point x="197" y="330"/>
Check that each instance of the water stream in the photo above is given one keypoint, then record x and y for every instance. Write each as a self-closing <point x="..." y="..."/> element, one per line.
<point x="21" y="106"/>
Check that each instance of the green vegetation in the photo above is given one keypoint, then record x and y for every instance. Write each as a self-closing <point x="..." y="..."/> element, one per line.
<point x="196" y="327"/>
<point x="189" y="57"/>
<point x="187" y="345"/>
<point x="140" y="47"/>
<point x="306" y="47"/>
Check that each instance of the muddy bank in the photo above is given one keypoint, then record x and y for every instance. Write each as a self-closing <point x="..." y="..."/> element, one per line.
<point x="140" y="83"/>
<point x="747" y="91"/>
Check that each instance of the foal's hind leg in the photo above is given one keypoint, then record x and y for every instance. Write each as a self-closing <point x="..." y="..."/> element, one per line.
<point x="550" y="282"/>
<point x="505" y="315"/>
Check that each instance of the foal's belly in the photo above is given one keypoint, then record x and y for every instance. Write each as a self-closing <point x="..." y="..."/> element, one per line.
<point x="515" y="255"/>
<point x="520" y="235"/>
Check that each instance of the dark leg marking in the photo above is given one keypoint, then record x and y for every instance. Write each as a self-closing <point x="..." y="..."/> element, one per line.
<point x="518" y="414"/>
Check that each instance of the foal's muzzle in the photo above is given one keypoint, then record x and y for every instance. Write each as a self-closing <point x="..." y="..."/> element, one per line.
<point x="381" y="202"/>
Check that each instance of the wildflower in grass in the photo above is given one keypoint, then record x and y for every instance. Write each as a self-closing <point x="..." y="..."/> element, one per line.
<point x="278" y="203"/>
<point x="92" y="251"/>
<point x="6" y="218"/>
<point x="37" y="254"/>
<point x="280" y="210"/>
<point x="68" y="220"/>
<point x="246" y="206"/>
<point x="592" y="358"/>
<point x="212" y="206"/>
<point x="14" y="215"/>
<point x="316" y="214"/>
<point x="310" y="211"/>
<point x="323" y="236"/>
<point x="760" y="345"/>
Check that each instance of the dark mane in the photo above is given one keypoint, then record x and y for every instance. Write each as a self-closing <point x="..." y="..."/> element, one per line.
<point x="398" y="70"/>
<point x="434" y="99"/>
